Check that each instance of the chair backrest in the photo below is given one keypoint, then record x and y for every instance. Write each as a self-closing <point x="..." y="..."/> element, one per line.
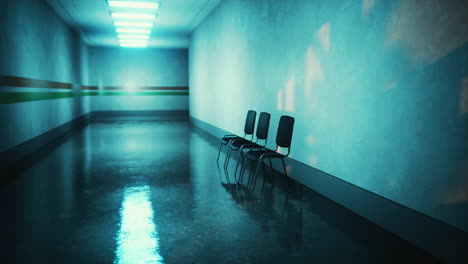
<point x="285" y="132"/>
<point x="263" y="126"/>
<point x="250" y="122"/>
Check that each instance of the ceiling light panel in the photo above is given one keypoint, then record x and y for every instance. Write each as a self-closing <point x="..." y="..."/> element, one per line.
<point x="133" y="30"/>
<point x="133" y="21"/>
<point x="140" y="41"/>
<point x="133" y="16"/>
<point x="134" y="36"/>
<point x="133" y="45"/>
<point x="133" y="24"/>
<point x="134" y="4"/>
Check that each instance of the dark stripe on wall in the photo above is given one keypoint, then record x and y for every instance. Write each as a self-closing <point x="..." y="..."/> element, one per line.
<point x="84" y="93"/>
<point x="143" y="88"/>
<point x="86" y="87"/>
<point x="17" y="97"/>
<point x="13" y="81"/>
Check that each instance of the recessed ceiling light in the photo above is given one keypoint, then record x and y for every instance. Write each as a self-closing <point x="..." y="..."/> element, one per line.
<point x="133" y="30"/>
<point x="133" y="15"/>
<point x="134" y="36"/>
<point x="140" y="41"/>
<point x="133" y="45"/>
<point x="133" y="24"/>
<point x="133" y="4"/>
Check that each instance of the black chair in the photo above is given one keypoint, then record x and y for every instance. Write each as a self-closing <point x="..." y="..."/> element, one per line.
<point x="283" y="140"/>
<point x="248" y="131"/>
<point x="263" y="126"/>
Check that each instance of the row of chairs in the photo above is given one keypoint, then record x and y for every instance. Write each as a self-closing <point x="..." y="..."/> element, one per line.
<point x="255" y="150"/>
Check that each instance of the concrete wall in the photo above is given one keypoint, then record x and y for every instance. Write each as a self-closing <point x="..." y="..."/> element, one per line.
<point x="378" y="88"/>
<point x="36" y="44"/>
<point x="139" y="79"/>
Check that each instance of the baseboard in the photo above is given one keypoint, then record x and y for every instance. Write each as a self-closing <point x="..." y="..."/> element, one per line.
<point x="12" y="157"/>
<point x="436" y="237"/>
<point x="152" y="113"/>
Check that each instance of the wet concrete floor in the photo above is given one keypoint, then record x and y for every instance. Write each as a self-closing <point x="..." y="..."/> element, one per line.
<point x="149" y="191"/>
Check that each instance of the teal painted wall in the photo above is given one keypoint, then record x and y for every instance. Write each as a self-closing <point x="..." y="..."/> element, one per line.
<point x="35" y="43"/>
<point x="134" y="68"/>
<point x="379" y="89"/>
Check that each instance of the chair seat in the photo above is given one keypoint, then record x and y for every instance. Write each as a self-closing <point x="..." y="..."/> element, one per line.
<point x="226" y="140"/>
<point x="238" y="143"/>
<point x="256" y="154"/>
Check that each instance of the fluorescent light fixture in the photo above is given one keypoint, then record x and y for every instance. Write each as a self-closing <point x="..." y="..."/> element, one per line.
<point x="133" y="30"/>
<point x="133" y="24"/>
<point x="133" y="16"/>
<point x="140" y="41"/>
<point x="133" y="45"/>
<point x="134" y="4"/>
<point x="133" y="36"/>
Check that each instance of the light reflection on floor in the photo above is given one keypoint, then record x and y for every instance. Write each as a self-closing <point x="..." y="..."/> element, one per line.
<point x="137" y="239"/>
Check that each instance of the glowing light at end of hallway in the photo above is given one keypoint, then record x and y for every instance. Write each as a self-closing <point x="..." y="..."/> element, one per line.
<point x="131" y="87"/>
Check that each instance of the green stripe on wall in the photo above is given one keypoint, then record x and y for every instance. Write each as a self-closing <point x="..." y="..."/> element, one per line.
<point x="132" y="93"/>
<point x="17" y="97"/>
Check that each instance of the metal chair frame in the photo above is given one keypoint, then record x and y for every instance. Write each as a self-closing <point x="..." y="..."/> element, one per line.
<point x="271" y="154"/>
<point x="248" y="131"/>
<point x="263" y="126"/>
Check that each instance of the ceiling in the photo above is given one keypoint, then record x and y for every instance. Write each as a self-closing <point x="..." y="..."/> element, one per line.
<point x="175" y="21"/>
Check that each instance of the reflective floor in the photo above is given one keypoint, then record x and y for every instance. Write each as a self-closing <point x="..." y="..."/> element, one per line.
<point x="146" y="191"/>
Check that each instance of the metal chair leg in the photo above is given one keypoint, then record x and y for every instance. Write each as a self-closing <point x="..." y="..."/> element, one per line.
<point x="228" y="156"/>
<point x="219" y="151"/>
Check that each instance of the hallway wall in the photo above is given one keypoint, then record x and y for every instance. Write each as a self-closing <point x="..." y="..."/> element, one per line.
<point x="49" y="76"/>
<point x="379" y="90"/>
<point x="41" y="67"/>
<point x="138" y="79"/>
